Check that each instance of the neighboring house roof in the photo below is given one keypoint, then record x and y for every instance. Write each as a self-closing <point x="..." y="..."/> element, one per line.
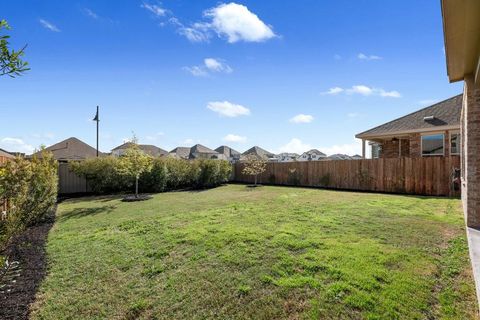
<point x="149" y="149"/>
<point x="201" y="152"/>
<point x="228" y="152"/>
<point x="198" y="148"/>
<point x="339" y="156"/>
<point x="287" y="155"/>
<point x="315" y="152"/>
<point x="442" y="114"/>
<point x="181" y="152"/>
<point x="197" y="151"/>
<point x="6" y="154"/>
<point x="71" y="149"/>
<point x="259" y="152"/>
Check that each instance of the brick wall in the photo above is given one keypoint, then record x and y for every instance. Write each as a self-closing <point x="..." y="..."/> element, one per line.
<point x="389" y="149"/>
<point x="470" y="130"/>
<point x="415" y="145"/>
<point x="411" y="146"/>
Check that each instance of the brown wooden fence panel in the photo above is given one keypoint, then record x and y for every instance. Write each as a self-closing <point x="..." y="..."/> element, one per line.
<point x="422" y="176"/>
<point x="69" y="182"/>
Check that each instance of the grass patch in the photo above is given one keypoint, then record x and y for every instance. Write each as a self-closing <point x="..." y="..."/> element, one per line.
<point x="264" y="253"/>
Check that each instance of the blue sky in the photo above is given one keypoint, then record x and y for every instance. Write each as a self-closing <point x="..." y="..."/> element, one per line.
<point x="285" y="75"/>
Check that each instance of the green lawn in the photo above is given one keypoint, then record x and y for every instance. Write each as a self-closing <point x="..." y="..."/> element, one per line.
<point x="267" y="253"/>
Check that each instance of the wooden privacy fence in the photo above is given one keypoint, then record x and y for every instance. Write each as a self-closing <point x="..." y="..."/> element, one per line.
<point x="69" y="182"/>
<point x="3" y="202"/>
<point x="431" y="176"/>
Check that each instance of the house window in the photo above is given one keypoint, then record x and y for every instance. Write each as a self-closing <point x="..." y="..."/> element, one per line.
<point x="433" y="145"/>
<point x="455" y="143"/>
<point x="376" y="148"/>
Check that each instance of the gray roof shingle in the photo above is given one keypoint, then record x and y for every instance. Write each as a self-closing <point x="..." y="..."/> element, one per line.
<point x="258" y="152"/>
<point x="444" y="113"/>
<point x="228" y="152"/>
<point x="149" y="149"/>
<point x="181" y="152"/>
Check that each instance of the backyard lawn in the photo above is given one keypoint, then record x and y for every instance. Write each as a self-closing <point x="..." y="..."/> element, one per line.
<point x="258" y="253"/>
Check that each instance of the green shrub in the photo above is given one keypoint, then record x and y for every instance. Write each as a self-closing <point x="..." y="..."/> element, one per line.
<point x="104" y="174"/>
<point x="31" y="187"/>
<point x="155" y="180"/>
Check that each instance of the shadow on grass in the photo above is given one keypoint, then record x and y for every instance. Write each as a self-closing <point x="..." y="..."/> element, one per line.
<point x="82" y="198"/>
<point x="83" y="212"/>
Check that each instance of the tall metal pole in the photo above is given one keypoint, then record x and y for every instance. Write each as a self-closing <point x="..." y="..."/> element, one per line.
<point x="97" y="119"/>
<point x="98" y="122"/>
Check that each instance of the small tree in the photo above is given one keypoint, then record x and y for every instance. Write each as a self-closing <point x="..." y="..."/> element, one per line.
<point x="254" y="165"/>
<point x="134" y="163"/>
<point x="11" y="63"/>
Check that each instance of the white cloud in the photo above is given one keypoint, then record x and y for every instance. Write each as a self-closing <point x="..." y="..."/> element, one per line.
<point x="362" y="56"/>
<point x="16" y="145"/>
<point x="157" y="10"/>
<point x="360" y="89"/>
<point x="295" y="145"/>
<point x="353" y="115"/>
<point x="232" y="21"/>
<point x="209" y="65"/>
<point x="228" y="109"/>
<point x="364" y="91"/>
<point x="197" y="71"/>
<point x="302" y="118"/>
<point x="333" y="91"/>
<point x="48" y="25"/>
<point x="192" y="34"/>
<point x="237" y="23"/>
<point x="348" y="148"/>
<point x="235" y="138"/>
<point x="390" y="94"/>
<point x="217" y="65"/>
<point x="91" y="14"/>
<point x="337" y="57"/>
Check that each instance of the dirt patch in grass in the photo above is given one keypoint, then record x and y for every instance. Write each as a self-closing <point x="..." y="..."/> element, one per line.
<point x="27" y="268"/>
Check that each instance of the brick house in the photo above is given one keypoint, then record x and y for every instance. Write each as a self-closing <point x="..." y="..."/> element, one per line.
<point x="431" y="131"/>
<point x="5" y="156"/>
<point x="461" y="27"/>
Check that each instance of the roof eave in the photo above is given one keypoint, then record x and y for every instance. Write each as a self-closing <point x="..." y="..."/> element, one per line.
<point x="405" y="132"/>
<point x="461" y="29"/>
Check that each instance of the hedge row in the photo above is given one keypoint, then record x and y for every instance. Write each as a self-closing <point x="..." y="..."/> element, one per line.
<point x="30" y="188"/>
<point x="105" y="174"/>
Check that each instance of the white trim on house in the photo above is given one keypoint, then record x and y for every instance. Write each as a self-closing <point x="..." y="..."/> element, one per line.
<point x="459" y="143"/>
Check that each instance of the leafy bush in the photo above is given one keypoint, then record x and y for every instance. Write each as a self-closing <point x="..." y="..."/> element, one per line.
<point x="30" y="186"/>
<point x="105" y="174"/>
<point x="156" y="180"/>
